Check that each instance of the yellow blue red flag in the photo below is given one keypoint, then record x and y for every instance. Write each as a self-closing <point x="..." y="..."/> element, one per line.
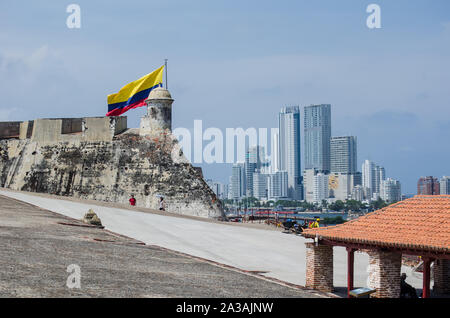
<point x="134" y="94"/>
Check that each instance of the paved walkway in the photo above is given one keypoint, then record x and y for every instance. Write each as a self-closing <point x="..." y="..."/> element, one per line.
<point x="37" y="246"/>
<point x="277" y="255"/>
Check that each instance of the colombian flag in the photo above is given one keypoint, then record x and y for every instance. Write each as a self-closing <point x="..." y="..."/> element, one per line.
<point x="134" y="94"/>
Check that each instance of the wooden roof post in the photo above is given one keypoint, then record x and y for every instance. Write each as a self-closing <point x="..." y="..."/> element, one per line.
<point x="426" y="277"/>
<point x="350" y="269"/>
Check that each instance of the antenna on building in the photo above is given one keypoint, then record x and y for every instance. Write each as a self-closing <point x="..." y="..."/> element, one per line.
<point x="165" y="66"/>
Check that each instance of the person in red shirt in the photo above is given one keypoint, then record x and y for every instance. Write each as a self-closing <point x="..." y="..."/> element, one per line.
<point x="132" y="200"/>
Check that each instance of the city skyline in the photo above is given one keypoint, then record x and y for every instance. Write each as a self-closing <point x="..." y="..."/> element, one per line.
<point x="330" y="164"/>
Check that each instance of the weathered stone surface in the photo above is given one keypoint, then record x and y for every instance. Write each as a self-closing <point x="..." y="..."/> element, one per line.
<point x="109" y="170"/>
<point x="92" y="218"/>
<point x="36" y="249"/>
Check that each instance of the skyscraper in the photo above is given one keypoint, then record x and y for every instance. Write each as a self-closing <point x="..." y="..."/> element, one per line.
<point x="391" y="190"/>
<point x="277" y="185"/>
<point x="238" y="187"/>
<point x="320" y="187"/>
<point x="340" y="185"/>
<point x="358" y="193"/>
<point x="372" y="176"/>
<point x="445" y="185"/>
<point x="260" y="185"/>
<point x="275" y="160"/>
<point x="343" y="155"/>
<point x="316" y="185"/>
<point x="428" y="186"/>
<point x="289" y="149"/>
<point x="254" y="160"/>
<point x="317" y="124"/>
<point x="380" y="176"/>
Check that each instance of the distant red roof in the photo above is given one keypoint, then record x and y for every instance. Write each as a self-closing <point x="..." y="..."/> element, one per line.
<point x="422" y="222"/>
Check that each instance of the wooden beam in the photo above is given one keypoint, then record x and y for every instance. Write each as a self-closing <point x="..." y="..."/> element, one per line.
<point x="350" y="270"/>
<point x="426" y="277"/>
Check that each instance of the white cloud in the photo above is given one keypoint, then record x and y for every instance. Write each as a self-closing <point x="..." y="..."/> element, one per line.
<point x="36" y="59"/>
<point x="5" y="114"/>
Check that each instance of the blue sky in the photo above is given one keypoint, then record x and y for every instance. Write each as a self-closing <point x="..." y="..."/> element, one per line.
<point x="236" y="63"/>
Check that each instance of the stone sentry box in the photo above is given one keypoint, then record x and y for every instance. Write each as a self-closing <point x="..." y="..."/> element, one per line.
<point x="159" y="113"/>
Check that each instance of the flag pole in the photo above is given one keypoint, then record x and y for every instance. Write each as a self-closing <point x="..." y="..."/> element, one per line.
<point x="165" y="66"/>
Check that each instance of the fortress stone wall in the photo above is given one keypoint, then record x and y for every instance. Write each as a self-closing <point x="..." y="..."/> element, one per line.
<point x="100" y="158"/>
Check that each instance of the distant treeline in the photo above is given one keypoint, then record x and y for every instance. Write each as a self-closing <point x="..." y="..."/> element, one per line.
<point x="339" y="206"/>
<point x="332" y="220"/>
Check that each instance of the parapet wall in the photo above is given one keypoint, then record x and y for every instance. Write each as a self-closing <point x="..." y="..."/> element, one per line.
<point x="9" y="129"/>
<point x="65" y="129"/>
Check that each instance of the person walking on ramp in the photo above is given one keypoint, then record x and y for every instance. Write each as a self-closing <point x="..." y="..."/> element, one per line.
<point x="162" y="204"/>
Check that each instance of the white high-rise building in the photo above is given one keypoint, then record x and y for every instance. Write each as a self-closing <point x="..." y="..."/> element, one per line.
<point x="260" y="185"/>
<point x="320" y="187"/>
<point x="225" y="191"/>
<point x="340" y="186"/>
<point x="358" y="193"/>
<point x="317" y="130"/>
<point x="289" y="149"/>
<point x="308" y="184"/>
<point x="444" y="185"/>
<point x="255" y="160"/>
<point x="391" y="190"/>
<point x="238" y="185"/>
<point x="380" y="176"/>
<point x="275" y="160"/>
<point x="277" y="185"/>
<point x="343" y="155"/>
<point x="316" y="185"/>
<point x="372" y="176"/>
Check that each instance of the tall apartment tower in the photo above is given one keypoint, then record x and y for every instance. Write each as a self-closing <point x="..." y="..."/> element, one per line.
<point x="445" y="185"/>
<point x="254" y="161"/>
<point x="372" y="177"/>
<point x="343" y="155"/>
<point x="277" y="185"/>
<point x="238" y="185"/>
<point x="380" y="176"/>
<point x="260" y="185"/>
<point x="275" y="156"/>
<point x="317" y="126"/>
<point x="428" y="186"/>
<point x="391" y="190"/>
<point x="289" y="149"/>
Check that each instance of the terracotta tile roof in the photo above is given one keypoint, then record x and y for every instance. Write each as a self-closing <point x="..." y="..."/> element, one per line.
<point x="422" y="222"/>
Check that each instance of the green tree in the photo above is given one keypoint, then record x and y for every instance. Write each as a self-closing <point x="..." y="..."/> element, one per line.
<point x="333" y="220"/>
<point x="353" y="205"/>
<point x="378" y="204"/>
<point x="337" y="206"/>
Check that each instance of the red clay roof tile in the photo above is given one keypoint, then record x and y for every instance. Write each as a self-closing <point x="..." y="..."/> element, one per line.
<point x="421" y="222"/>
